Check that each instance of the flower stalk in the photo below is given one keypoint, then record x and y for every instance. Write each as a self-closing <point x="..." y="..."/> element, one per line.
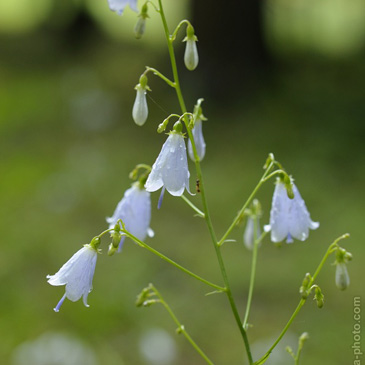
<point x="151" y="291"/>
<point x="202" y="190"/>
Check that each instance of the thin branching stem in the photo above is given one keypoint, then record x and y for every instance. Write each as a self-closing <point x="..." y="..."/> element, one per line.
<point x="202" y="189"/>
<point x="332" y="248"/>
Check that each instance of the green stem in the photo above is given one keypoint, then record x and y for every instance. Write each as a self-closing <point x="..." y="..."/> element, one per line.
<point x="329" y="251"/>
<point x="248" y="201"/>
<point x="163" y="257"/>
<point x="105" y="232"/>
<point x="276" y="172"/>
<point x="174" y="34"/>
<point x="181" y="328"/>
<point x="188" y="202"/>
<point x="202" y="190"/>
<point x="253" y="273"/>
<point x="160" y="75"/>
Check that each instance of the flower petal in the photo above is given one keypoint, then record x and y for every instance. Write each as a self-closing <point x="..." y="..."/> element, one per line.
<point x="119" y="5"/>
<point x="279" y="220"/>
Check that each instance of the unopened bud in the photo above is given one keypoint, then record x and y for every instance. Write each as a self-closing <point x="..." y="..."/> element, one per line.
<point x="304" y="289"/>
<point x="268" y="161"/>
<point x="178" y="127"/>
<point x="141" y="23"/>
<point x="191" y="57"/>
<point x="95" y="242"/>
<point x="142" y="297"/>
<point x="140" y="27"/>
<point x="112" y="250"/>
<point x="342" y="276"/>
<point x="140" y="108"/>
<point x="319" y="297"/>
<point x="250" y="235"/>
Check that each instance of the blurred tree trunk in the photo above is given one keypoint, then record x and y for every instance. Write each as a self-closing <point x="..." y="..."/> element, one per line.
<point x="233" y="54"/>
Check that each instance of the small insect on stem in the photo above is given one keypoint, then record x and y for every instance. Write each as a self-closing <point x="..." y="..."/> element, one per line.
<point x="197" y="185"/>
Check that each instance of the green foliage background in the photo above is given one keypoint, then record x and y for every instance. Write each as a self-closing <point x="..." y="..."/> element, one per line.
<point x="68" y="143"/>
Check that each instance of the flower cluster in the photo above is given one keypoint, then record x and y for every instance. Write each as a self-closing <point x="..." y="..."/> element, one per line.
<point x="289" y="217"/>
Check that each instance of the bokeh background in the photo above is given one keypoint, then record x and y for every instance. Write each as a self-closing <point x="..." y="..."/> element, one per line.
<point x="277" y="76"/>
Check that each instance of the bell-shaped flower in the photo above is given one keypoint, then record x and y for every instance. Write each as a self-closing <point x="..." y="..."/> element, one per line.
<point x="249" y="235"/>
<point x="77" y="274"/>
<point x="140" y="108"/>
<point x="191" y="57"/>
<point x="197" y="132"/>
<point x="289" y="218"/>
<point x="119" y="5"/>
<point x="170" y="170"/>
<point x="135" y="211"/>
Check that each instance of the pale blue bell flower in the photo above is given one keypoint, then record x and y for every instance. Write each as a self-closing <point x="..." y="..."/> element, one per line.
<point x="77" y="274"/>
<point x="135" y="211"/>
<point x="249" y="236"/>
<point x="140" y="108"/>
<point x="200" y="145"/>
<point x="170" y="170"/>
<point x="289" y="218"/>
<point x="119" y="5"/>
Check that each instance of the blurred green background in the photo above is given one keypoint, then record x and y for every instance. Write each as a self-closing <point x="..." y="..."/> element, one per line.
<point x="68" y="142"/>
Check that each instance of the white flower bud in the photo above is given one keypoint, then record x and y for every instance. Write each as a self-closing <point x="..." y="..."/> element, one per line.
<point x="248" y="236"/>
<point x="140" y="108"/>
<point x="197" y="132"/>
<point x="342" y="276"/>
<point x="191" y="57"/>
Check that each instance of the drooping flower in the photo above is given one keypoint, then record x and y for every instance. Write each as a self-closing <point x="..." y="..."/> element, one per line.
<point x="249" y="235"/>
<point x="170" y="170"/>
<point x="289" y="218"/>
<point x="119" y="5"/>
<point x="77" y="274"/>
<point x="135" y="211"/>
<point x="191" y="57"/>
<point x="140" y="108"/>
<point x="199" y="141"/>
